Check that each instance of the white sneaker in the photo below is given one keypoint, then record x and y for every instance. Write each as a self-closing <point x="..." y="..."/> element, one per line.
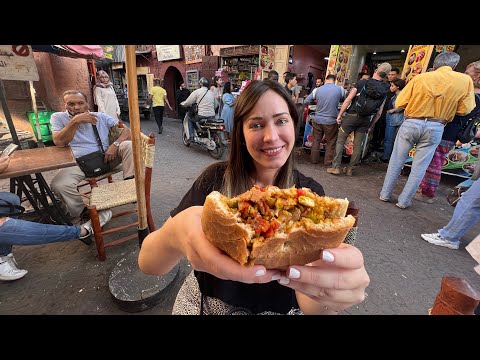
<point x="9" y="270"/>
<point x="436" y="239"/>
<point x="104" y="216"/>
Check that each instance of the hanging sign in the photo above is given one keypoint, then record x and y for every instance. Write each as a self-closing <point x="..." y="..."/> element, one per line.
<point x="17" y="63"/>
<point x="417" y="60"/>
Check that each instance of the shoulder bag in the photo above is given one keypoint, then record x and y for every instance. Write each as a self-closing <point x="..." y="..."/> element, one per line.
<point x="194" y="108"/>
<point x="94" y="164"/>
<point x="468" y="130"/>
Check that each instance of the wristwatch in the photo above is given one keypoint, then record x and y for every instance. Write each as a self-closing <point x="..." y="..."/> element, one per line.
<point x="116" y="143"/>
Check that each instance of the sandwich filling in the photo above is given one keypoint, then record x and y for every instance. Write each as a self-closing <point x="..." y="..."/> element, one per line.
<point x="272" y="210"/>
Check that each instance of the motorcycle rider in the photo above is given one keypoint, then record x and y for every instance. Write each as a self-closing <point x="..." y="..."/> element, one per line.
<point x="206" y="104"/>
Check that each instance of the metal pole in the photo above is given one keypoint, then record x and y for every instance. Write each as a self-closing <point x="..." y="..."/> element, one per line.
<point x="8" y="117"/>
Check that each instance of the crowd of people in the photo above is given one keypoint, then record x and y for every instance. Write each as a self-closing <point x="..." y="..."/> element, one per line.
<point x="261" y="124"/>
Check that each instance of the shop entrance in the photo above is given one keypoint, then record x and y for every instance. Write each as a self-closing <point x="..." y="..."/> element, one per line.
<point x="172" y="81"/>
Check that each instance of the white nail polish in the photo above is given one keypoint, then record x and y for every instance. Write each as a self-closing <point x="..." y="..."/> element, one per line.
<point x="294" y="273"/>
<point x="284" y="280"/>
<point x="260" y="272"/>
<point x="327" y="256"/>
<point x="276" y="277"/>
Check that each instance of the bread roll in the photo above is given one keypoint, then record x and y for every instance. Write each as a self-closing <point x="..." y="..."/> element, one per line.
<point x="275" y="227"/>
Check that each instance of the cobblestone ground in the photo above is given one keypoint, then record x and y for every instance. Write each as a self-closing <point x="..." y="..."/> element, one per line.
<point x="405" y="271"/>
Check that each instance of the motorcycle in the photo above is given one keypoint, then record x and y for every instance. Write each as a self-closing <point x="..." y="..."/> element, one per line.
<point x="209" y="134"/>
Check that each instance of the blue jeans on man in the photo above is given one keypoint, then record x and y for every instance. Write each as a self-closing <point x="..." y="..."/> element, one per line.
<point x="466" y="215"/>
<point x="390" y="134"/>
<point x="426" y="135"/>
<point x="21" y="232"/>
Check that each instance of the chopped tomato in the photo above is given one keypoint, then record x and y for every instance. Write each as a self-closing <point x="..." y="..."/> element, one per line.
<point x="261" y="225"/>
<point x="300" y="192"/>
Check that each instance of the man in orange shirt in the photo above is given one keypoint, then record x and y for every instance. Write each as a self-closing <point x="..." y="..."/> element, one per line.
<point x="430" y="100"/>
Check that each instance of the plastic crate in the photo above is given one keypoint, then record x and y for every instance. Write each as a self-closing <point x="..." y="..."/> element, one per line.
<point x="45" y="127"/>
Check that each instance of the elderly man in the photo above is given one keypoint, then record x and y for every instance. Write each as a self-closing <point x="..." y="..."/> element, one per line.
<point x="430" y="100"/>
<point x="74" y="127"/>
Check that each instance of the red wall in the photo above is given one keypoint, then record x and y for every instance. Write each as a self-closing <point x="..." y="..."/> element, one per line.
<point x="303" y="58"/>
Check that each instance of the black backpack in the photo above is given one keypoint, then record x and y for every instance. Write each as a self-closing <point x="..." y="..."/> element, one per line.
<point x="371" y="97"/>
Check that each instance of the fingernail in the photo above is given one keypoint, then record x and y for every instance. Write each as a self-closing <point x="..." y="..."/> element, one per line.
<point x="294" y="273"/>
<point x="276" y="277"/>
<point x="260" y="272"/>
<point x="327" y="256"/>
<point x="284" y="280"/>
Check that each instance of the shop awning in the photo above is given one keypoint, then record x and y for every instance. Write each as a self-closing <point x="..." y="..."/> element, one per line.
<point x="73" y="51"/>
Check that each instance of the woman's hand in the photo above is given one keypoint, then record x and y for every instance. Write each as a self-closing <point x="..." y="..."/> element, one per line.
<point x="182" y="236"/>
<point x="391" y="111"/>
<point x="329" y="285"/>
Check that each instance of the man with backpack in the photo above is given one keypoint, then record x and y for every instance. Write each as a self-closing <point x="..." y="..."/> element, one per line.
<point x="359" y="110"/>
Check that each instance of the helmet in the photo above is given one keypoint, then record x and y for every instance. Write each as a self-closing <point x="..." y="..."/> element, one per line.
<point x="204" y="82"/>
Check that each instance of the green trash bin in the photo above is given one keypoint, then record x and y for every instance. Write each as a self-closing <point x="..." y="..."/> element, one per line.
<point x="45" y="127"/>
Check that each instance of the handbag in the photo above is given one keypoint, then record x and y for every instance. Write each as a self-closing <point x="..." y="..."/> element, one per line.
<point x="468" y="130"/>
<point x="94" y="164"/>
<point x="194" y="108"/>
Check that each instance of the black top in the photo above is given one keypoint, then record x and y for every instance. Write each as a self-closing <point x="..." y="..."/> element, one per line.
<point x="255" y="297"/>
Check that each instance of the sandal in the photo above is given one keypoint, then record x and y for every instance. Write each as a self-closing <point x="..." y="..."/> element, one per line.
<point x="86" y="238"/>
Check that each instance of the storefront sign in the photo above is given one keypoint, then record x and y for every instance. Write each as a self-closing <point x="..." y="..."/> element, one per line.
<point x="193" y="53"/>
<point x="17" y="63"/>
<point x="444" y="48"/>
<point x="417" y="60"/>
<point x="240" y="50"/>
<point x="167" y="52"/>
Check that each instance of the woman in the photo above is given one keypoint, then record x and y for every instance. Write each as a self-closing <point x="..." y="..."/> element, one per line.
<point x="393" y="119"/>
<point x="105" y="97"/>
<point x="428" y="187"/>
<point x="228" y="101"/>
<point x="262" y="153"/>
<point x="217" y="89"/>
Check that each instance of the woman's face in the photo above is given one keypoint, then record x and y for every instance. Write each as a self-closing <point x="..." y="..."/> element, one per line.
<point x="104" y="78"/>
<point x="269" y="132"/>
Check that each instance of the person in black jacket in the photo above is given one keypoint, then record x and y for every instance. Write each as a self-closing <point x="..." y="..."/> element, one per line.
<point x="261" y="154"/>
<point x="181" y="95"/>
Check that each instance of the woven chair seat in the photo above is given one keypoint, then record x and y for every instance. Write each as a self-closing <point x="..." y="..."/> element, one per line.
<point x="114" y="194"/>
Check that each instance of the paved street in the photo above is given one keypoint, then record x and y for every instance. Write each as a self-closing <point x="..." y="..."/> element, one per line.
<point x="405" y="271"/>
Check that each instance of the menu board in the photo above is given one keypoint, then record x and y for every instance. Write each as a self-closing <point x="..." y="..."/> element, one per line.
<point x="342" y="62"/>
<point x="193" y="53"/>
<point x="460" y="161"/>
<point x="332" y="60"/>
<point x="192" y="79"/>
<point x="266" y="57"/>
<point x="417" y="60"/>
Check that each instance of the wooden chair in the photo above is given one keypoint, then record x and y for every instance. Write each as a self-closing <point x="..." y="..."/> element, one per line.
<point x="111" y="195"/>
<point x="113" y="135"/>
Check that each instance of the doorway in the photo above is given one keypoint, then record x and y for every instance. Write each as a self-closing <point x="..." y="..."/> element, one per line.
<point x="172" y="80"/>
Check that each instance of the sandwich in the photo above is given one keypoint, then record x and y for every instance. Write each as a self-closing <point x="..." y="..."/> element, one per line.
<point x="275" y="227"/>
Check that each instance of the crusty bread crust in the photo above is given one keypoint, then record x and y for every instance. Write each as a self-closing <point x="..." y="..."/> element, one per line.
<point x="225" y="229"/>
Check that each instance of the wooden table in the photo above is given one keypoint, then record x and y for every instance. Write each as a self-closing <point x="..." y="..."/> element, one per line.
<point x="25" y="173"/>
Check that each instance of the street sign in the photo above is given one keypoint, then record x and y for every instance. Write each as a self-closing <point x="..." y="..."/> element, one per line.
<point x="17" y="63"/>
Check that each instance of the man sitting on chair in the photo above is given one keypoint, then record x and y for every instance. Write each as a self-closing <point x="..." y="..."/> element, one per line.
<point x="74" y="127"/>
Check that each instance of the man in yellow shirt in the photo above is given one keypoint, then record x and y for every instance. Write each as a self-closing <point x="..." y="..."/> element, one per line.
<point x="430" y="100"/>
<point x="159" y="97"/>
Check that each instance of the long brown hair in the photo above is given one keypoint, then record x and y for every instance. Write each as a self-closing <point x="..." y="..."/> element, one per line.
<point x="240" y="166"/>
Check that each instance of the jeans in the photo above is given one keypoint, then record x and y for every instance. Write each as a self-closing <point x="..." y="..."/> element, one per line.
<point x="466" y="215"/>
<point x="21" y="232"/>
<point x="390" y="133"/>
<point x="426" y="135"/>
